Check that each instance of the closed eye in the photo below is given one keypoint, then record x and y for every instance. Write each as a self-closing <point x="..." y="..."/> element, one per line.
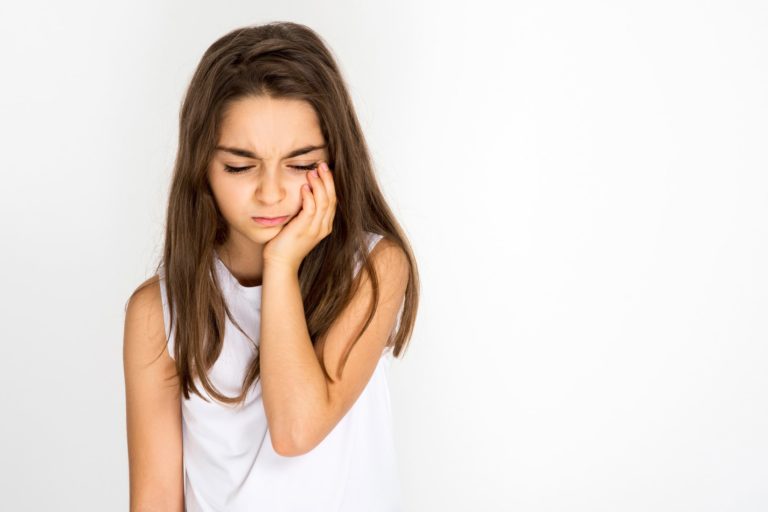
<point x="235" y="170"/>
<point x="304" y="167"/>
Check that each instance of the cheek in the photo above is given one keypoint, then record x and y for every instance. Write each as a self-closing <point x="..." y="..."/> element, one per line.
<point x="230" y="196"/>
<point x="294" y="189"/>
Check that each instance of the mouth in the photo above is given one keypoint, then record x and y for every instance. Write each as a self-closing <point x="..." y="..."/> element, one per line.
<point x="270" y="221"/>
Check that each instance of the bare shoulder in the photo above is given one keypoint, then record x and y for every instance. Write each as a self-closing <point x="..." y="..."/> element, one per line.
<point x="144" y="334"/>
<point x="388" y="252"/>
<point x="391" y="263"/>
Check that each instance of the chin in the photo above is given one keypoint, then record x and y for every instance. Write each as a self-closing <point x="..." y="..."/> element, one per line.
<point x="264" y="234"/>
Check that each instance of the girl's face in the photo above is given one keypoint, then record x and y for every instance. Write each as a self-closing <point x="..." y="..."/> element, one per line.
<point x="275" y="142"/>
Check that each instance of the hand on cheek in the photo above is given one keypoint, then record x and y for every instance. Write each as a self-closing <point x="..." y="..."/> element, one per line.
<point x="313" y="222"/>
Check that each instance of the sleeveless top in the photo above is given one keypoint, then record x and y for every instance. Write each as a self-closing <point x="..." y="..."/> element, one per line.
<point x="228" y="460"/>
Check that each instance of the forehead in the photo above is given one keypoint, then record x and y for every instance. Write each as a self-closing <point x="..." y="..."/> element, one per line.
<point x="269" y="123"/>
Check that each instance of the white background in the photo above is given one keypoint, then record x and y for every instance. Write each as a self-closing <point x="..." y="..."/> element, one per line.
<point x="585" y="188"/>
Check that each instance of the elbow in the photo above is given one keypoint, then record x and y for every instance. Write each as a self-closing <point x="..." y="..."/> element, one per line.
<point x="289" y="448"/>
<point x="280" y="446"/>
<point x="297" y="435"/>
<point x="290" y="445"/>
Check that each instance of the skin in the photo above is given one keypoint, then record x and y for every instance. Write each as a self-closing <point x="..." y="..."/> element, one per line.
<point x="271" y="186"/>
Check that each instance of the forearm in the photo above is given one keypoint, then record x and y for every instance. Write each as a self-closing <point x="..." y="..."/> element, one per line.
<point x="294" y="388"/>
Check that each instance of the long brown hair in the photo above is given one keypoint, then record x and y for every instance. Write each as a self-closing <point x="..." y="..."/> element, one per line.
<point x="281" y="60"/>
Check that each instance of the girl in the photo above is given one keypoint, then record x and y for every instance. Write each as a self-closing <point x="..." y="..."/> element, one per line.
<point x="256" y="359"/>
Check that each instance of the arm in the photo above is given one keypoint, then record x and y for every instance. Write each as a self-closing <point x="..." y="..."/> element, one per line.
<point x="301" y="405"/>
<point x="153" y="411"/>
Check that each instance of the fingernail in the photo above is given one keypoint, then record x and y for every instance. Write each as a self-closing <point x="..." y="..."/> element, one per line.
<point x="313" y="172"/>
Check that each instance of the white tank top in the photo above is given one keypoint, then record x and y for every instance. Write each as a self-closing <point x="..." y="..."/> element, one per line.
<point x="228" y="459"/>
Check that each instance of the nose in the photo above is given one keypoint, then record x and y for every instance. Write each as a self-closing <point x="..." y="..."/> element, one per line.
<point x="271" y="189"/>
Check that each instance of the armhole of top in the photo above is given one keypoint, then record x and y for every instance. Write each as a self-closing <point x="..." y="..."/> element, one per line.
<point x="169" y="331"/>
<point x="373" y="239"/>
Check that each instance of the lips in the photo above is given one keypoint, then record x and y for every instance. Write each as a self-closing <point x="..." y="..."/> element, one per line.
<point x="271" y="221"/>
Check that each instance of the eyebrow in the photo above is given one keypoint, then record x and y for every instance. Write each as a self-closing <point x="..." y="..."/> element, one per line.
<point x="251" y="154"/>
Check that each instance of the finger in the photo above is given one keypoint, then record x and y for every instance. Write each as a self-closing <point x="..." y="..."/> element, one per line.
<point x="330" y="188"/>
<point x="327" y="177"/>
<point x="308" y="202"/>
<point x="319" y="188"/>
<point x="321" y="201"/>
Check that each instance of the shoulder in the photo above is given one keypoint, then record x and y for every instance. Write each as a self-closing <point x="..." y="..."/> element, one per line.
<point x="145" y="299"/>
<point x="390" y="260"/>
<point x="144" y="332"/>
<point x="393" y="271"/>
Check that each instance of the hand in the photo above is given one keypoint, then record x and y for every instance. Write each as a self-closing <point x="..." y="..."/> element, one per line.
<point x="313" y="223"/>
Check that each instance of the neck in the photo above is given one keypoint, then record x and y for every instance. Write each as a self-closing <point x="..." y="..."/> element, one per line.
<point x="244" y="262"/>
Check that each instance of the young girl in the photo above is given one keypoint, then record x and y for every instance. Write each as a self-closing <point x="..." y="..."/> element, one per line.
<point x="256" y="359"/>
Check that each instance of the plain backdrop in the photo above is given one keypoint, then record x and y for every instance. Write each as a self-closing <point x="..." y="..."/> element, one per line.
<point x="585" y="185"/>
